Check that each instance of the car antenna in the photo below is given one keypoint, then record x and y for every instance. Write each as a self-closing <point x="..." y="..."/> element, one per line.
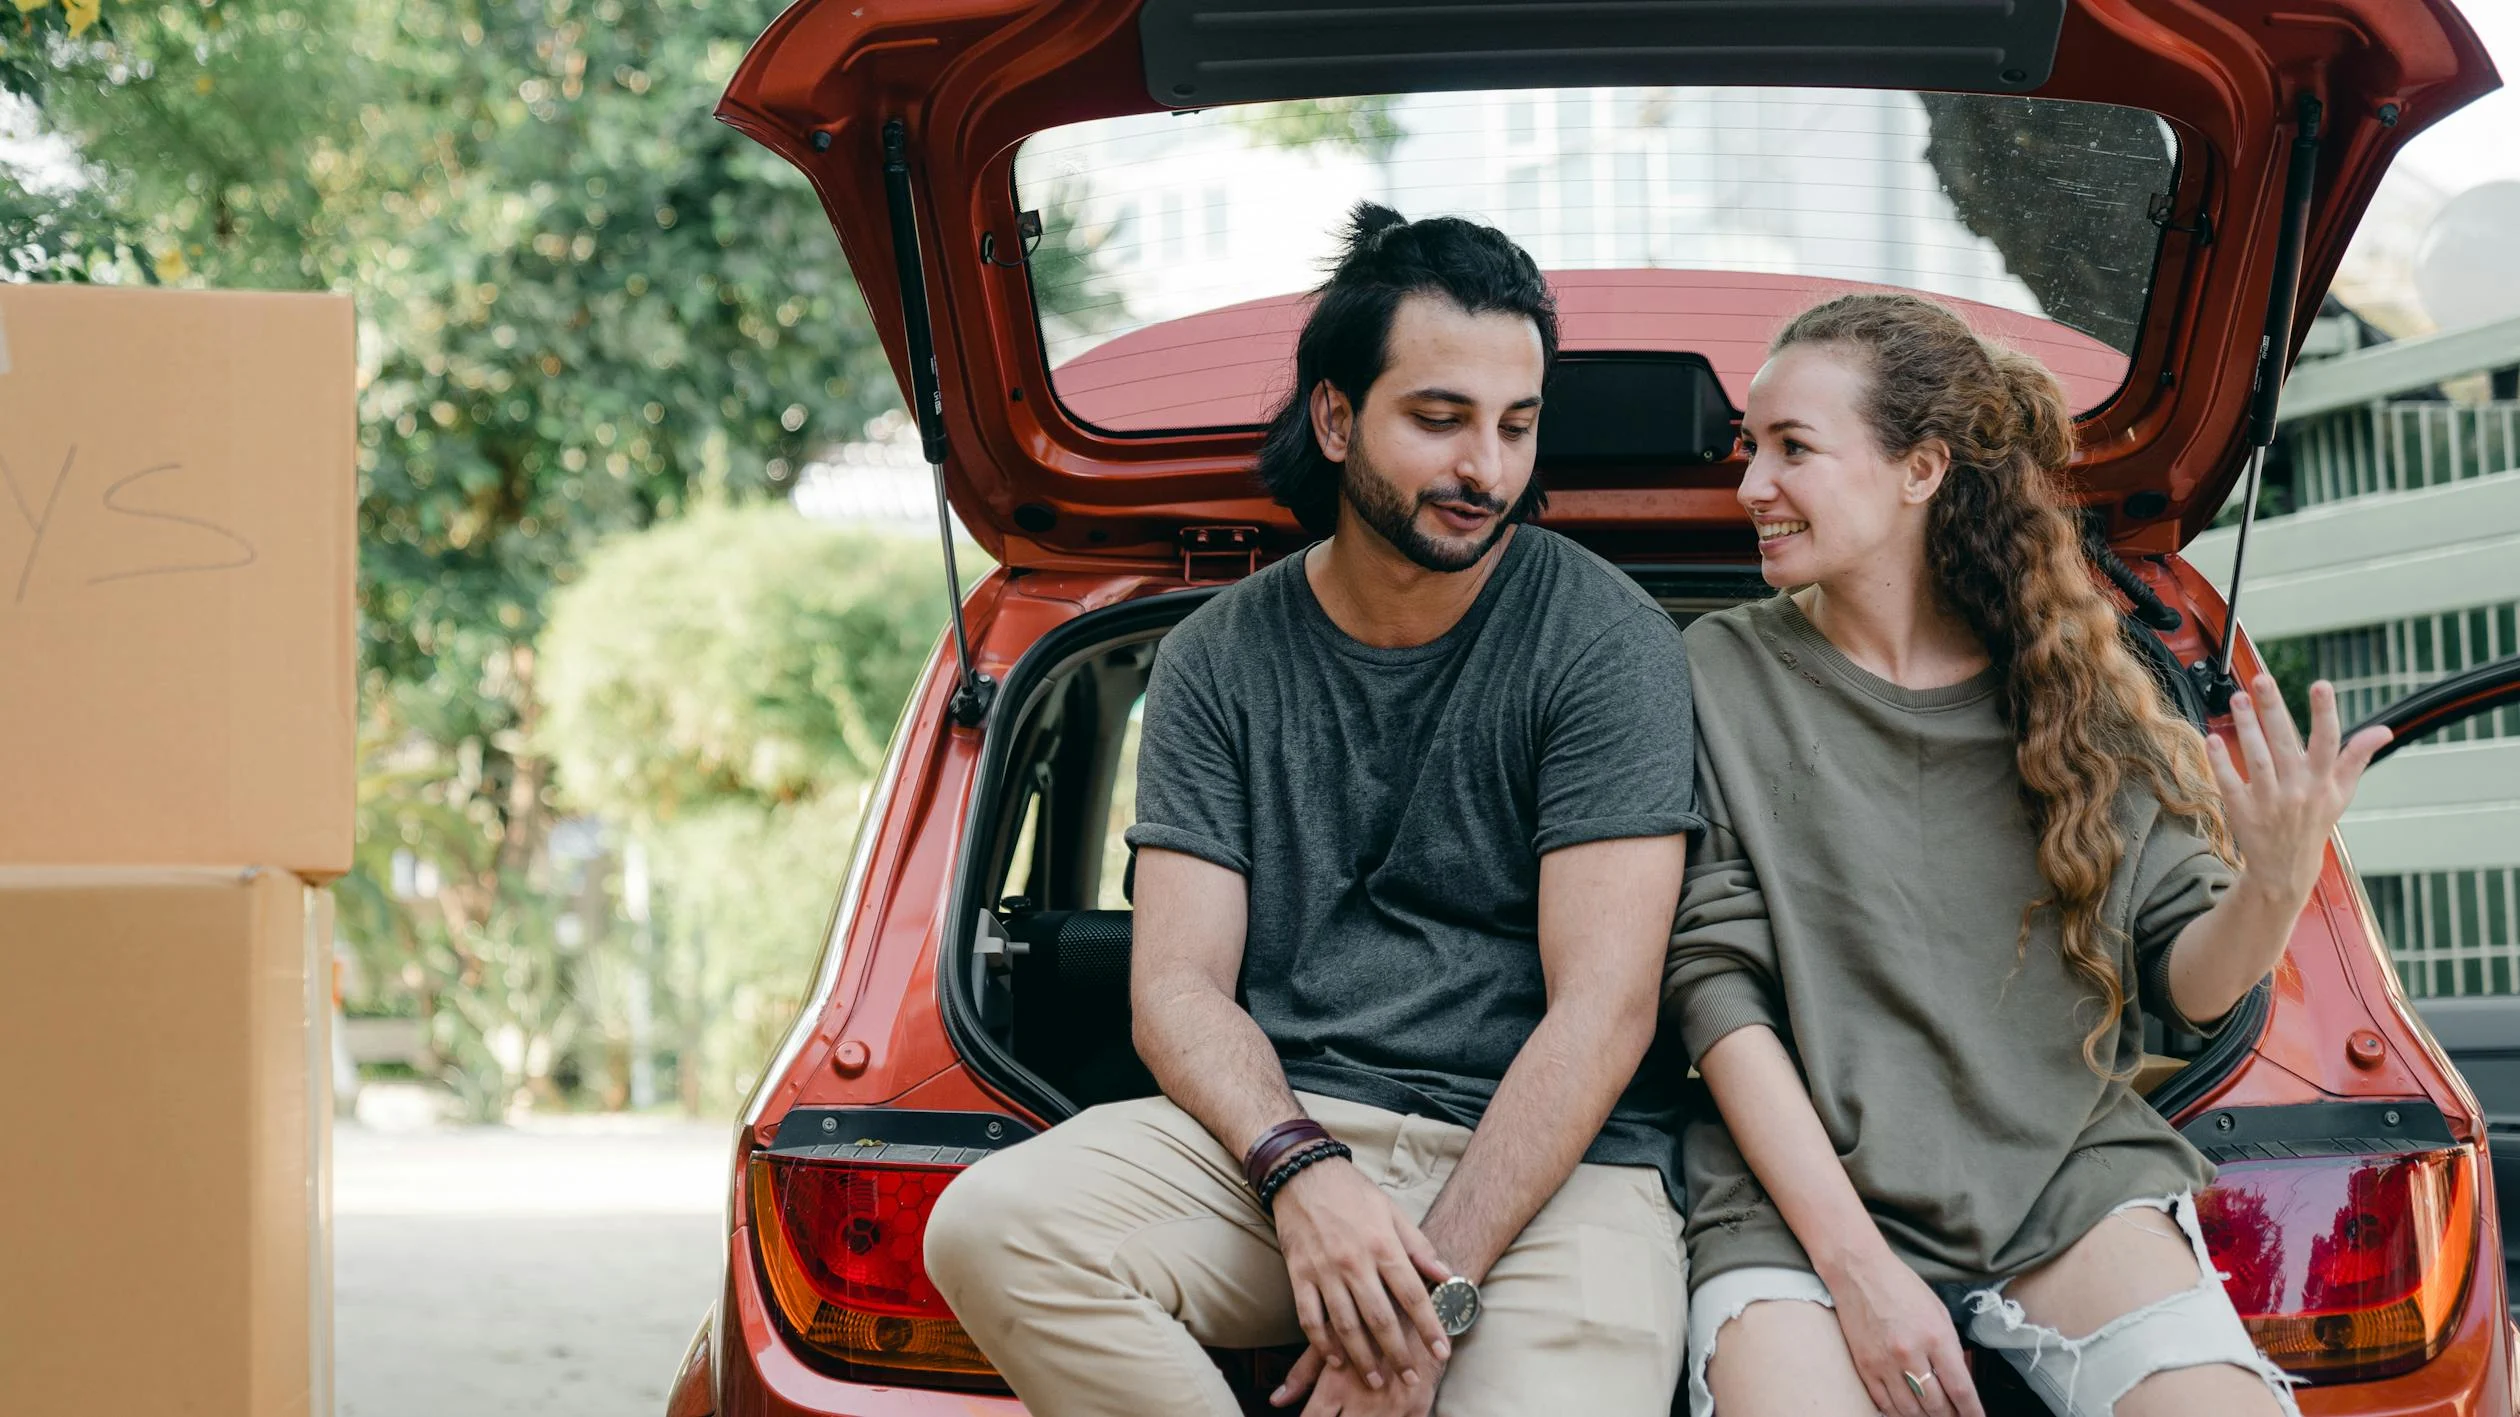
<point x="973" y="690"/>
<point x="2214" y="677"/>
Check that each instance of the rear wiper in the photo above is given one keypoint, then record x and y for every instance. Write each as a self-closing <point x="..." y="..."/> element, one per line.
<point x="2214" y="679"/>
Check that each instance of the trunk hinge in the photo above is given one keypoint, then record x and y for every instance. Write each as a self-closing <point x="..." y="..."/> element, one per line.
<point x="973" y="690"/>
<point x="1212" y="555"/>
<point x="2213" y="677"/>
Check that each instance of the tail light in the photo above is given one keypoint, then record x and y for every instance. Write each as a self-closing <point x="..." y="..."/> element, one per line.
<point x="2346" y="1268"/>
<point x="841" y="1249"/>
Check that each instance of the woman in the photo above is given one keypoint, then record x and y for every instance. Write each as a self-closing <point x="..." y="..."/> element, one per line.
<point x="1955" y="838"/>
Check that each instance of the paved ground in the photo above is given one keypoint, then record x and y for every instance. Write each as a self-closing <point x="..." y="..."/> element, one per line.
<point x="556" y="1269"/>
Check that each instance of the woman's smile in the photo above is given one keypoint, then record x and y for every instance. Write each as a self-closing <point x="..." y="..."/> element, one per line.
<point x="1774" y="534"/>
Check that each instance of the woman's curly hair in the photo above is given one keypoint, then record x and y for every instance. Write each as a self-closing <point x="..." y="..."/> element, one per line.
<point x="2004" y="555"/>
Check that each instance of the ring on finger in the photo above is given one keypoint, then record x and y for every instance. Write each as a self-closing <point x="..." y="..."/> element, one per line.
<point x="1916" y="1381"/>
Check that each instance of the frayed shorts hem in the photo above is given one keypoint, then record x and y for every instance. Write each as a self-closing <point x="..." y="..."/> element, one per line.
<point x="2074" y="1377"/>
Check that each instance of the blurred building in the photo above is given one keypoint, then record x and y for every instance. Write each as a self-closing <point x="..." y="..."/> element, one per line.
<point x="880" y="482"/>
<point x="2396" y="564"/>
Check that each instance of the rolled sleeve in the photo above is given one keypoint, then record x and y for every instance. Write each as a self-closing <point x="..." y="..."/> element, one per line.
<point x="2177" y="879"/>
<point x="1193" y="790"/>
<point x="1188" y="843"/>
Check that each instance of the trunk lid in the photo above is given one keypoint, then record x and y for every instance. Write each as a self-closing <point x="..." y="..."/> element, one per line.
<point x="1130" y="445"/>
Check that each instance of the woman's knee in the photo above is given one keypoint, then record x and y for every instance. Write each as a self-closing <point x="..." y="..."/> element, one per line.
<point x="2228" y="1389"/>
<point x="1769" y="1353"/>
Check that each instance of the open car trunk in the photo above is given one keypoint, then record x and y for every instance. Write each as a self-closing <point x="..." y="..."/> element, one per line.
<point x="1037" y="988"/>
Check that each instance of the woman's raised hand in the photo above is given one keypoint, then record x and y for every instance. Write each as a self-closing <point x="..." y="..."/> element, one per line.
<point x="2284" y="797"/>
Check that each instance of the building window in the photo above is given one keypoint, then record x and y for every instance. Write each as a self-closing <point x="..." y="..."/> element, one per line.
<point x="1215" y="209"/>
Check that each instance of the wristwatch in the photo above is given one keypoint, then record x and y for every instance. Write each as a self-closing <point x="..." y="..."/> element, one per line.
<point x="1456" y="1305"/>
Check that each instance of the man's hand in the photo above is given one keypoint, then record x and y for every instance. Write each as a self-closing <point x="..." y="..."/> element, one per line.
<point x="1359" y="1266"/>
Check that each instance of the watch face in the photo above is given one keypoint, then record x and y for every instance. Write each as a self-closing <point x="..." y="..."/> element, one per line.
<point x="1456" y="1305"/>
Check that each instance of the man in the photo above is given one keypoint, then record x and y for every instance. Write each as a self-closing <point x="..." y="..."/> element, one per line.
<point x="1409" y="843"/>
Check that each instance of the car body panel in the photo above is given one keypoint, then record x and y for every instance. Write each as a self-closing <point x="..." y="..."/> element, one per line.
<point x="970" y="78"/>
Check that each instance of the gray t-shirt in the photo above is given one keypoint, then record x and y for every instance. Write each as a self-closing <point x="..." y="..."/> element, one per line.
<point x="1389" y="809"/>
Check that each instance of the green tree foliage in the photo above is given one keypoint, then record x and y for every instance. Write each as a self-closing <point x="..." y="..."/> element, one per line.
<point x="725" y="687"/>
<point x="1369" y="126"/>
<point x="585" y="307"/>
<point x="734" y="659"/>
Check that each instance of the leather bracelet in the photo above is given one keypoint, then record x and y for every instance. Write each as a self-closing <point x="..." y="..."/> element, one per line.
<point x="1278" y="1143"/>
<point x="1294" y="1166"/>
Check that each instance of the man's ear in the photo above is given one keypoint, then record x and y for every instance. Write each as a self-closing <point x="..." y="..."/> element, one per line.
<point x="1333" y="421"/>
<point x="1926" y="467"/>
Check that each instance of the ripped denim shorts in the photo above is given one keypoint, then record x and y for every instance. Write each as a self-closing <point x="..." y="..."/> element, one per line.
<point x="2075" y="1377"/>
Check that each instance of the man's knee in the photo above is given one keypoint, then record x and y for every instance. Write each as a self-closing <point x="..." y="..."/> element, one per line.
<point x="979" y="1225"/>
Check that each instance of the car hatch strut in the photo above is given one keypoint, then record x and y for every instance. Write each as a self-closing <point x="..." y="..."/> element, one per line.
<point x="972" y="689"/>
<point x="2213" y="676"/>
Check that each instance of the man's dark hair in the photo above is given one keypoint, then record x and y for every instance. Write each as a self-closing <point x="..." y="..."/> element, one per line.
<point x="1346" y="339"/>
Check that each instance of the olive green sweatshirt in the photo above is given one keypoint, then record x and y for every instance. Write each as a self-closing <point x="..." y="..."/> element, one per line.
<point x="1860" y="889"/>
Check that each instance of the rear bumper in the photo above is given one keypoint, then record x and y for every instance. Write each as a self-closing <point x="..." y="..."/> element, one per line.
<point x="760" y="1377"/>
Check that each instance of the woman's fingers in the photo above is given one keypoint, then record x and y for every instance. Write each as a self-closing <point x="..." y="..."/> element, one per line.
<point x="2226" y="773"/>
<point x="1932" y="1397"/>
<point x="2255" y="757"/>
<point x="1951" y="1371"/>
<point x="2283" y="736"/>
<point x="2325" y="730"/>
<point x="1299" y="1379"/>
<point x="2356" y="755"/>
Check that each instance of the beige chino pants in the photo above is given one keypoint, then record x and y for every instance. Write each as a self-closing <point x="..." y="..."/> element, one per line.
<point x="1092" y="1262"/>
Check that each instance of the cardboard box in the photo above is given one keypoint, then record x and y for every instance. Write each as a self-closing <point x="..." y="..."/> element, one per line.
<point x="164" y="1200"/>
<point x="178" y="537"/>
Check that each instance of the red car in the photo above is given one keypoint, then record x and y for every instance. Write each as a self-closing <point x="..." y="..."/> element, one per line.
<point x="1084" y="227"/>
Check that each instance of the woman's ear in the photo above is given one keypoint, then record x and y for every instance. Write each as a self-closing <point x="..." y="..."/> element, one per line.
<point x="1926" y="467"/>
<point x="1333" y="421"/>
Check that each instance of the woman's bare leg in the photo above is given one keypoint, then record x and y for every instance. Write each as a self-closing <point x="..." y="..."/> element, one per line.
<point x="2136" y="1257"/>
<point x="1785" y="1358"/>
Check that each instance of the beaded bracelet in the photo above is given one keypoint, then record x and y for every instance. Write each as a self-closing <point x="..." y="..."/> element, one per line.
<point x="1292" y="1166"/>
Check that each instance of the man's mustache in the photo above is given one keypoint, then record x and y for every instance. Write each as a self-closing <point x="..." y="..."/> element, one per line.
<point x="1464" y="496"/>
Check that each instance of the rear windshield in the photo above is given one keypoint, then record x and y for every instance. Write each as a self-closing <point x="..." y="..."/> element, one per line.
<point x="1175" y="248"/>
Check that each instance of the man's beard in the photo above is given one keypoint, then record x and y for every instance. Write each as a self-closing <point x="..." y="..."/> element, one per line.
<point x="1394" y="517"/>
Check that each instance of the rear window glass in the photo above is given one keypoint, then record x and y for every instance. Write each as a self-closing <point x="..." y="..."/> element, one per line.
<point x="1176" y="249"/>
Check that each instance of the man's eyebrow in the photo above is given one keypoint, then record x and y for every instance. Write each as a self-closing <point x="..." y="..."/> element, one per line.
<point x="1449" y="396"/>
